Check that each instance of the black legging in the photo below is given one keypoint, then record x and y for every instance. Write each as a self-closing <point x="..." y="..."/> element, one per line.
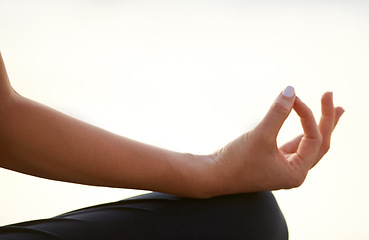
<point x="162" y="216"/>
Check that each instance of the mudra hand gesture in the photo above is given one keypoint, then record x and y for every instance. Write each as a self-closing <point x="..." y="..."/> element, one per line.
<point x="253" y="162"/>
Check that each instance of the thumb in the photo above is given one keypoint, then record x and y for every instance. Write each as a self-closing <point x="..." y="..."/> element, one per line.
<point x="278" y="112"/>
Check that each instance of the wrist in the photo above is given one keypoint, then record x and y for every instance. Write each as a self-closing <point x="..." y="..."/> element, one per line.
<point x="203" y="177"/>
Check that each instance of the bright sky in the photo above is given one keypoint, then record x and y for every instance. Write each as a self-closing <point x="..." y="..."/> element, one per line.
<point x="190" y="76"/>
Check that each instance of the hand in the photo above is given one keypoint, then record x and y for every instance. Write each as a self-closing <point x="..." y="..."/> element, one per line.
<point x="253" y="162"/>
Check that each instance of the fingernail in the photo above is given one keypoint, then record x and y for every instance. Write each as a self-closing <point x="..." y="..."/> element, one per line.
<point x="288" y="92"/>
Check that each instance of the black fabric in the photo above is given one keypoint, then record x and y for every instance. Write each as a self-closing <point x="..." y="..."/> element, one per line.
<point x="162" y="216"/>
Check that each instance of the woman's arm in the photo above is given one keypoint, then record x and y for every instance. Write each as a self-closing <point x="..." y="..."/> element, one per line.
<point x="40" y="141"/>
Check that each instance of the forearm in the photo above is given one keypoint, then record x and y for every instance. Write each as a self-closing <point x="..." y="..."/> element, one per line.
<point x="40" y="141"/>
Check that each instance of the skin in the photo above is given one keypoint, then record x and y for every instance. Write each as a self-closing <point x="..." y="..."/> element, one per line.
<point x="255" y="161"/>
<point x="40" y="141"/>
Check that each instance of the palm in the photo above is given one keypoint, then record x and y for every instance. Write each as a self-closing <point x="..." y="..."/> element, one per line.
<point x="283" y="167"/>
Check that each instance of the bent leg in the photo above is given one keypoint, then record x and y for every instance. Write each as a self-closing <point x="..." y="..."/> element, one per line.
<point x="162" y="216"/>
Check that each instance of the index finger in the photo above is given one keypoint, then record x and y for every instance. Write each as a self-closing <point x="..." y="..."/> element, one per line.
<point x="309" y="146"/>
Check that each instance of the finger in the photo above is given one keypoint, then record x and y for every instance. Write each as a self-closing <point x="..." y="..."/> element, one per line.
<point x="291" y="146"/>
<point x="278" y="112"/>
<point x="327" y="120"/>
<point x="338" y="113"/>
<point x="309" y="146"/>
<point x="307" y="119"/>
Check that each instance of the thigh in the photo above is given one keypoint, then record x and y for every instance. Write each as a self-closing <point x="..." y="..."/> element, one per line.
<point x="163" y="216"/>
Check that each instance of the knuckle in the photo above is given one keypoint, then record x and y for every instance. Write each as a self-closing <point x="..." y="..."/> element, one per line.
<point x="325" y="146"/>
<point x="319" y="139"/>
<point x="260" y="136"/>
<point x="297" y="181"/>
<point x="280" y="109"/>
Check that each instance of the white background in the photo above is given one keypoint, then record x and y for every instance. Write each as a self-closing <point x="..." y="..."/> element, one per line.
<point x="191" y="76"/>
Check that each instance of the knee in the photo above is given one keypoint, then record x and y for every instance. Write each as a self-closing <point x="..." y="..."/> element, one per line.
<point x="260" y="214"/>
